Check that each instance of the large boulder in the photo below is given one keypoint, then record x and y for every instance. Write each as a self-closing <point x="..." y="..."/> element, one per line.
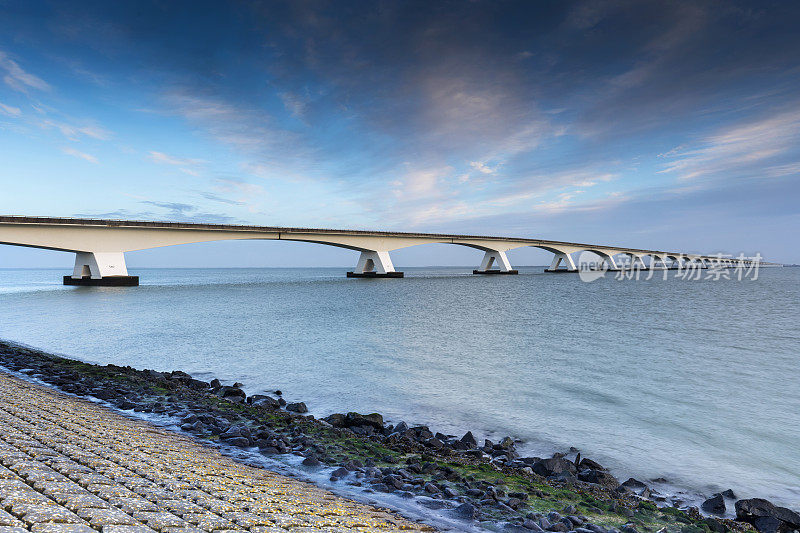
<point x="766" y="517"/>
<point x="299" y="407"/>
<point x="599" y="477"/>
<point x="714" y="505"/>
<point x="262" y="400"/>
<point x="350" y="420"/>
<point x="553" y="466"/>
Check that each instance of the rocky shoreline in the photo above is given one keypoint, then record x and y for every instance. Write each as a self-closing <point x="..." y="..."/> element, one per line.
<point x="486" y="484"/>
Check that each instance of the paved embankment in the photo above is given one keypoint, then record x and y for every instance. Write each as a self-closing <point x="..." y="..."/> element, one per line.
<point x="68" y="465"/>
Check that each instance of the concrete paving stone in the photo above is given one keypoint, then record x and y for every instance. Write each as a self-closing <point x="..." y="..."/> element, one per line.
<point x="5" y="473"/>
<point x="12" y="529"/>
<point x="7" y="519"/>
<point x="98" y="466"/>
<point x="18" y="499"/>
<point x="50" y="513"/>
<point x="88" y="477"/>
<point x="208" y="521"/>
<point x="159" y="520"/>
<point x="112" y="491"/>
<point x="12" y="484"/>
<point x="61" y="528"/>
<point x="133" y="505"/>
<point x="217" y="506"/>
<point x="247" y="520"/>
<point x="107" y="517"/>
<point x="76" y="502"/>
<point x="127" y="529"/>
<point x="180" y="507"/>
<point x="58" y="487"/>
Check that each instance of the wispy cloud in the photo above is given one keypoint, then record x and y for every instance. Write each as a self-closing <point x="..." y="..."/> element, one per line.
<point x="74" y="132"/>
<point x="185" y="165"/>
<point x="294" y="104"/>
<point x="81" y="155"/>
<point x="742" y="150"/>
<point x="10" y="110"/>
<point x="217" y="198"/>
<point x="17" y="78"/>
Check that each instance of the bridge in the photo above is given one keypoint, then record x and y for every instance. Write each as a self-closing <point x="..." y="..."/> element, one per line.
<point x="100" y="245"/>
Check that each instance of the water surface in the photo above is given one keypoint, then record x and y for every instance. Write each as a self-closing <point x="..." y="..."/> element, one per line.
<point x="696" y="381"/>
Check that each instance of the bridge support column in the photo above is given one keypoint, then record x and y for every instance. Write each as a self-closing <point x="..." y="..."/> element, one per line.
<point x="490" y="258"/>
<point x="637" y="261"/>
<point x="374" y="265"/>
<point x="562" y="257"/>
<point x="101" y="269"/>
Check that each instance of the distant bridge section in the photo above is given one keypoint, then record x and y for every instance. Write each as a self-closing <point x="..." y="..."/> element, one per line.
<point x="100" y="245"/>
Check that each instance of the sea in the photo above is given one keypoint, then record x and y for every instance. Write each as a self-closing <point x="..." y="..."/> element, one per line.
<point x="691" y="382"/>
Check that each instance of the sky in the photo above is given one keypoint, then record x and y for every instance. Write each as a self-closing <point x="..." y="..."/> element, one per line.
<point x="650" y="124"/>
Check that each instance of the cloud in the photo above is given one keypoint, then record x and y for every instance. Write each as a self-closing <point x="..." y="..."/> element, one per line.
<point x="75" y="153"/>
<point x="186" y="165"/>
<point x="481" y="167"/>
<point x="294" y="104"/>
<point x="75" y="132"/>
<point x="9" y="110"/>
<point x="16" y="78"/>
<point x="243" y="188"/>
<point x="742" y="150"/>
<point x="217" y="198"/>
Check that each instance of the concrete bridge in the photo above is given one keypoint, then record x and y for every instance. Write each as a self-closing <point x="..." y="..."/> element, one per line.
<point x="100" y="246"/>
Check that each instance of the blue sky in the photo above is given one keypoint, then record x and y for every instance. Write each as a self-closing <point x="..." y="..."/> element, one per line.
<point x="669" y="125"/>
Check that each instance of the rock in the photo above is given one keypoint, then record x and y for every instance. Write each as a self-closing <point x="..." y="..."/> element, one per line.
<point x="553" y="466"/>
<point x="311" y="461"/>
<point x="766" y="517"/>
<point x="241" y="442"/>
<point x="298" y="407"/>
<point x="714" y="505"/>
<point x="530" y="524"/>
<point x="592" y="465"/>
<point x="729" y="494"/>
<point x="431" y="488"/>
<point x="715" y="525"/>
<point x="469" y="440"/>
<point x="465" y="511"/>
<point x="215" y="384"/>
<point x="506" y="444"/>
<point x="599" y="477"/>
<point x="634" y="484"/>
<point x="339" y="420"/>
<point x="232" y="394"/>
<point x="264" y="401"/>
<point x="514" y="503"/>
<point x="340" y="472"/>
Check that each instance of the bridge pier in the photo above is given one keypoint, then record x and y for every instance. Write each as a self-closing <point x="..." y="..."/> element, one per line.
<point x="374" y="265"/>
<point x="106" y="269"/>
<point x="490" y="258"/>
<point x="562" y="257"/>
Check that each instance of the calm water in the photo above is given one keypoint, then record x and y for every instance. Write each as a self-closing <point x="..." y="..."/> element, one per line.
<point x="696" y="381"/>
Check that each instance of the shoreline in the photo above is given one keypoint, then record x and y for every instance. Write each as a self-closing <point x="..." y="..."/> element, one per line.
<point x="479" y="485"/>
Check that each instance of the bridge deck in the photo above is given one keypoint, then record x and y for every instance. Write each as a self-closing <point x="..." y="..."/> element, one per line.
<point x="288" y="231"/>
